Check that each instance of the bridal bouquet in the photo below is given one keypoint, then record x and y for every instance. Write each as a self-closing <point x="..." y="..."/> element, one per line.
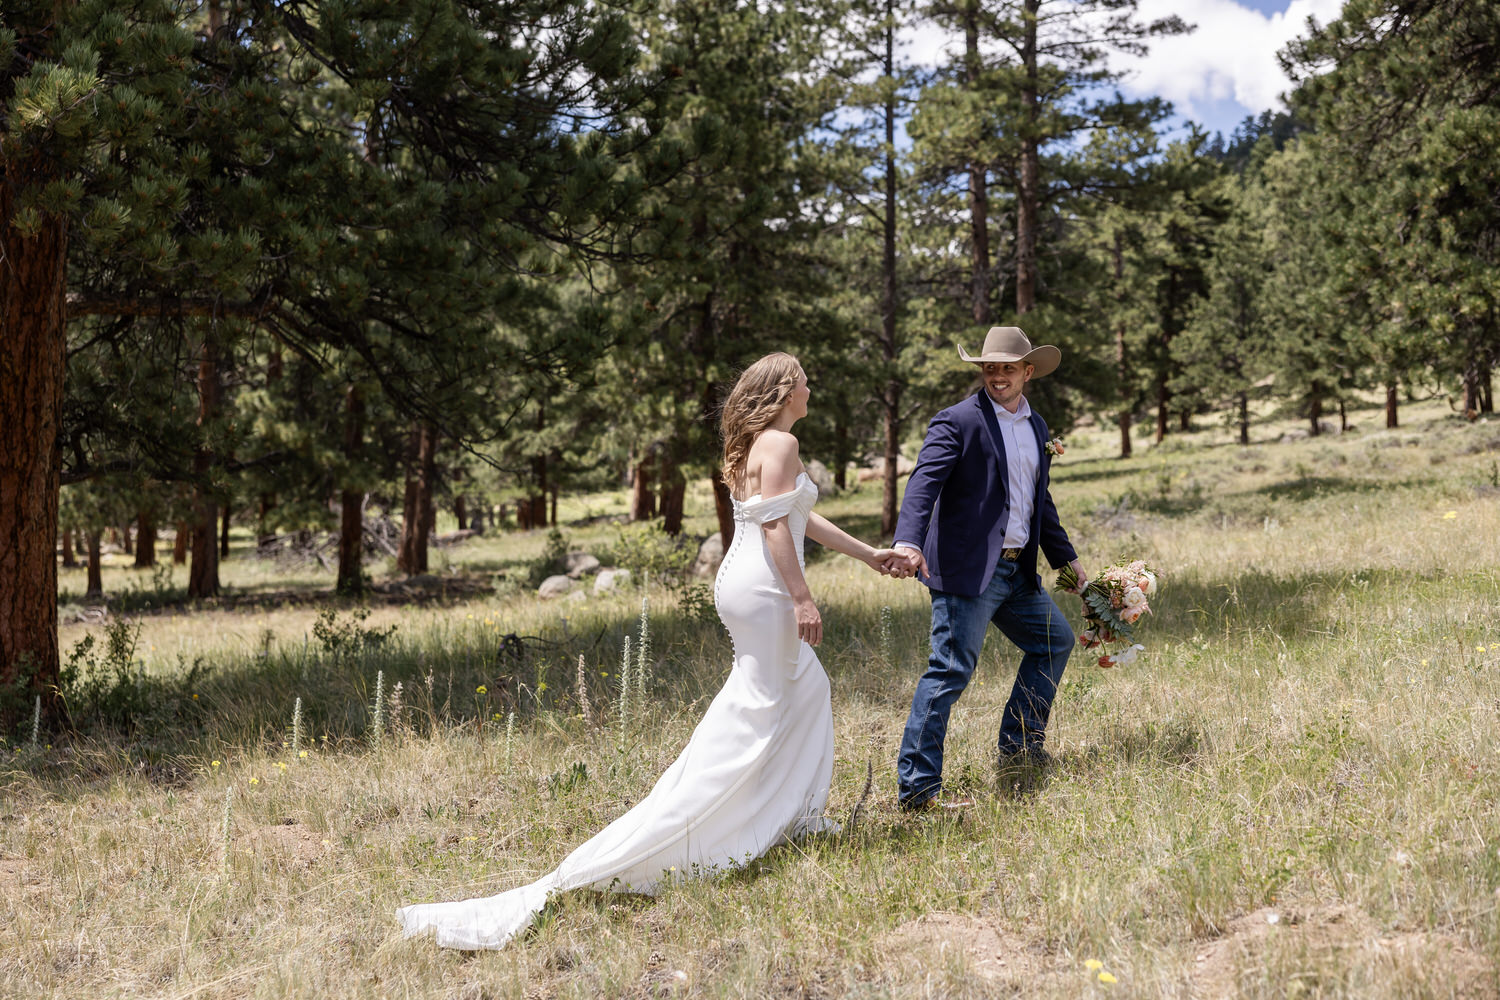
<point x="1113" y="602"/>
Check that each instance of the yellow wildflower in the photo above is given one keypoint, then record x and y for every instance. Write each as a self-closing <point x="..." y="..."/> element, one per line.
<point x="302" y="753"/>
<point x="214" y="764"/>
<point x="1093" y="964"/>
<point x="1105" y="977"/>
<point x="1451" y="515"/>
<point x="254" y="781"/>
<point x="481" y="689"/>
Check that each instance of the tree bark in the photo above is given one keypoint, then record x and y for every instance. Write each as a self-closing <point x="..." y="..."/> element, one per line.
<point x="890" y="397"/>
<point x="416" y="513"/>
<point x="145" y="540"/>
<point x="203" y="573"/>
<point x="979" y="198"/>
<point x="180" y="543"/>
<point x="723" y="506"/>
<point x="642" y="497"/>
<point x="1122" y="353"/>
<point x="461" y="512"/>
<point x="1028" y="194"/>
<point x="33" y="279"/>
<point x="95" y="589"/>
<point x="1390" y="404"/>
<point x="69" y="560"/>
<point x="1244" y="417"/>
<point x="673" y="493"/>
<point x="351" y="579"/>
<point x="224" y="533"/>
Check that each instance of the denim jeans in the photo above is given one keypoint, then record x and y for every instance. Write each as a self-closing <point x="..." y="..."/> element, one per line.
<point x="1025" y="615"/>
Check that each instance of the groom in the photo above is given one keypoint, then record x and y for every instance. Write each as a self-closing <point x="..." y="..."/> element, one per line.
<point x="975" y="513"/>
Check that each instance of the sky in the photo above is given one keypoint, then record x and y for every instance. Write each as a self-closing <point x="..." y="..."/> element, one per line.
<point x="1216" y="75"/>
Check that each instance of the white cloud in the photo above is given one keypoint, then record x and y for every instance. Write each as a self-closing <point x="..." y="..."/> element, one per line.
<point x="1231" y="55"/>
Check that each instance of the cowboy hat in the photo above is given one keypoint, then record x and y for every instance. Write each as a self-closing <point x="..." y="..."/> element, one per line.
<point x="1008" y="343"/>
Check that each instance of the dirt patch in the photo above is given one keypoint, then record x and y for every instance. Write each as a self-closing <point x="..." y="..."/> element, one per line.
<point x="1339" y="938"/>
<point x="935" y="940"/>
<point x="291" y="845"/>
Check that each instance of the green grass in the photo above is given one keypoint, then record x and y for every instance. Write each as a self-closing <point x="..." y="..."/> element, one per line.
<point x="1293" y="794"/>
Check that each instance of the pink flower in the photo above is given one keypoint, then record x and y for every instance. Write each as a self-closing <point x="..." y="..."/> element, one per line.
<point x="1131" y="614"/>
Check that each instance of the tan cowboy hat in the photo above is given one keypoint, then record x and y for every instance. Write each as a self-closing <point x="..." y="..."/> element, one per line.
<point x="1008" y="343"/>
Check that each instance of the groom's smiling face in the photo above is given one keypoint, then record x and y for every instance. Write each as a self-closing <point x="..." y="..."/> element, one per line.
<point x="1005" y="381"/>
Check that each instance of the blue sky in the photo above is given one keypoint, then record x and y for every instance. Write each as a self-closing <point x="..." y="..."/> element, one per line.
<point x="1227" y="68"/>
<point x="1216" y="75"/>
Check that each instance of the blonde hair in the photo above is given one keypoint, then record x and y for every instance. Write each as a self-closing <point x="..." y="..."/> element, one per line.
<point x="757" y="399"/>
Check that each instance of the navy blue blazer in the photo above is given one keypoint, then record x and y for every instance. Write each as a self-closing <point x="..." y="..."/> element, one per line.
<point x="956" y="501"/>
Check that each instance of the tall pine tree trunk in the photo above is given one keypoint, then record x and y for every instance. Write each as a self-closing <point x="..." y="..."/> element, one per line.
<point x="890" y="397"/>
<point x="95" y="591"/>
<point x="979" y="198"/>
<point x="1163" y="397"/>
<point x="69" y="560"/>
<point x="203" y="573"/>
<point x="1028" y="195"/>
<point x="33" y="319"/>
<point x="461" y="512"/>
<point x="180" y="543"/>
<point x="723" y="507"/>
<point x="416" y="510"/>
<point x="145" y="540"/>
<point x="1122" y="353"/>
<point x="1244" y="417"/>
<point x="224" y="534"/>
<point x="642" y="496"/>
<point x="1315" y="409"/>
<point x="673" y="493"/>
<point x="352" y="501"/>
<point x="1390" y="403"/>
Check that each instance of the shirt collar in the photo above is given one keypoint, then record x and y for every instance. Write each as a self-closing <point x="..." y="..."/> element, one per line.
<point x="1023" y="412"/>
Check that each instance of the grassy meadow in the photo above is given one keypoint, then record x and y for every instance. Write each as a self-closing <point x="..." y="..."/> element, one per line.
<point x="1292" y="794"/>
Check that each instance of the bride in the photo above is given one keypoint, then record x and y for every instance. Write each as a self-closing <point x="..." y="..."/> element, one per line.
<point x="757" y="769"/>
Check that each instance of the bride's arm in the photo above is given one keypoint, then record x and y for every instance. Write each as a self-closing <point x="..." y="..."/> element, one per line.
<point x="830" y="535"/>
<point x="779" y="466"/>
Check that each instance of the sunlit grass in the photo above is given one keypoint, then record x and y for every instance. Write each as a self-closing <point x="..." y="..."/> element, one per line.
<point x="1293" y="794"/>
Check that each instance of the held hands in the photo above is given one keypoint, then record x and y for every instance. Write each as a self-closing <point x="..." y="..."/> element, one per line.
<point x="809" y="622"/>
<point x="888" y="562"/>
<point x="905" y="562"/>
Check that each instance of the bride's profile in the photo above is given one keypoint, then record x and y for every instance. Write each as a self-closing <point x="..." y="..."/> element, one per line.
<point x="757" y="769"/>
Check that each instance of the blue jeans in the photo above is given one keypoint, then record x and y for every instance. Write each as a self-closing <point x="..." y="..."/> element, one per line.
<point x="1025" y="615"/>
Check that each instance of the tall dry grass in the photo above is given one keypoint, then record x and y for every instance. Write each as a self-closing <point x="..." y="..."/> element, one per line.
<point x="1293" y="794"/>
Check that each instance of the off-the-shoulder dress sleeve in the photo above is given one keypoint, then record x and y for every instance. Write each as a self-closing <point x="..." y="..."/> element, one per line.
<point x="758" y="510"/>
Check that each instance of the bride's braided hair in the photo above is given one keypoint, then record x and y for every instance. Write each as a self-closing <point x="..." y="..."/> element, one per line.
<point x="758" y="397"/>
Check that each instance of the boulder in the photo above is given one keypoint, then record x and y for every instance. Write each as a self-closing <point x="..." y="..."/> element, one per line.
<point x="577" y="597"/>
<point x="610" y="579"/>
<point x="576" y="564"/>
<point x="710" y="554"/>
<point x="554" y="586"/>
<point x="821" y="477"/>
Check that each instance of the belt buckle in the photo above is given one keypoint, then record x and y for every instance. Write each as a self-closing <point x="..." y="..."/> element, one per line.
<point x="1010" y="555"/>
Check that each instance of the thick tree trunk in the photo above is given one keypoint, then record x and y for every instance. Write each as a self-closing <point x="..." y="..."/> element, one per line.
<point x="32" y="315"/>
<point x="1028" y="194"/>
<point x="95" y="591"/>
<point x="416" y="512"/>
<point x="69" y="560"/>
<point x="145" y="540"/>
<point x="723" y="506"/>
<point x="1244" y="417"/>
<point x="203" y="573"/>
<point x="351" y="578"/>
<point x="1486" y="391"/>
<point x="1390" y="404"/>
<point x="224" y="533"/>
<point x="642" y="497"/>
<point x="180" y="543"/>
<point x="461" y="512"/>
<point x="673" y="493"/>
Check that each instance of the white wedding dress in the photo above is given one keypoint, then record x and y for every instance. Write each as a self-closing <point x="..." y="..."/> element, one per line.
<point x="755" y="773"/>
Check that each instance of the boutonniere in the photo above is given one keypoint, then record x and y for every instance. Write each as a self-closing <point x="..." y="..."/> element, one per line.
<point x="1055" y="447"/>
